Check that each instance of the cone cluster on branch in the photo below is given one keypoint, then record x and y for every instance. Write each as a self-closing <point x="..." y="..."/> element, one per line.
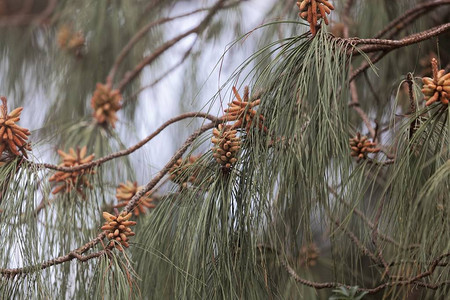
<point x="182" y="172"/>
<point x="118" y="229"/>
<point x="226" y="145"/>
<point x="12" y="136"/>
<point x="126" y="191"/>
<point x="73" y="180"/>
<point x="69" y="40"/>
<point x="361" y="146"/>
<point x="437" y="88"/>
<point x="314" y="10"/>
<point x="308" y="255"/>
<point x="242" y="112"/>
<point x="106" y="102"/>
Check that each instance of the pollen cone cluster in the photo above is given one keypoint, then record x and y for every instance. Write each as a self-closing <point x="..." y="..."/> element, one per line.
<point x="242" y="112"/>
<point x="118" y="229"/>
<point x="314" y="10"/>
<point x="126" y="191"/>
<point x="437" y="88"/>
<point x="308" y="255"/>
<point x="106" y="102"/>
<point x="12" y="136"/>
<point x="361" y="146"/>
<point x="226" y="145"/>
<point x="182" y="171"/>
<point x="70" y="40"/>
<point x="70" y="180"/>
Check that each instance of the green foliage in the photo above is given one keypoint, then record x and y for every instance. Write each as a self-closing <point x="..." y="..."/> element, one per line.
<point x="344" y="293"/>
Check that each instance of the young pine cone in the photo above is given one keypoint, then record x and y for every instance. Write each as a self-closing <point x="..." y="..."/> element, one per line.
<point x="226" y="146"/>
<point x="314" y="10"/>
<point x="361" y="146"/>
<point x="242" y="111"/>
<point x="12" y="136"/>
<point x="106" y="103"/>
<point x="70" y="40"/>
<point x="126" y="191"/>
<point x="436" y="88"/>
<point x="77" y="179"/>
<point x="308" y="255"/>
<point x="118" y="229"/>
<point x="182" y="171"/>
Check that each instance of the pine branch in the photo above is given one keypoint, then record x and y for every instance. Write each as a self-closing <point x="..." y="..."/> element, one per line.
<point x="11" y="273"/>
<point x="129" y="76"/>
<point x="130" y="150"/>
<point x="409" y="16"/>
<point x="411" y="281"/>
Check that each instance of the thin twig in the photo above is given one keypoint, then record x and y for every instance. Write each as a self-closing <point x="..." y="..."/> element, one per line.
<point x="130" y="150"/>
<point x="373" y="45"/>
<point x="140" y="34"/>
<point x="10" y="273"/>
<point x="129" y="76"/>
<point x="412" y="14"/>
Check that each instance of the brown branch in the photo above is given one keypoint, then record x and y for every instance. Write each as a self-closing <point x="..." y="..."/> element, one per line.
<point x="373" y="45"/>
<point x="140" y="34"/>
<point x="387" y="46"/>
<point x="410" y="15"/>
<point x="129" y="76"/>
<point x="10" y="273"/>
<point x="157" y="80"/>
<point x="411" y="281"/>
<point x="130" y="150"/>
<point x="23" y="19"/>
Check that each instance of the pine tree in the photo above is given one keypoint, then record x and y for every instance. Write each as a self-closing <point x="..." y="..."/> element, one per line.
<point x="309" y="160"/>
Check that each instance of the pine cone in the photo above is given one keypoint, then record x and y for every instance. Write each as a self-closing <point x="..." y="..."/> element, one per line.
<point x="314" y="10"/>
<point x="182" y="168"/>
<point x="242" y="111"/>
<point x="77" y="179"/>
<point x="69" y="40"/>
<point x="126" y="191"/>
<point x="12" y="136"/>
<point x="106" y="103"/>
<point x="226" y="146"/>
<point x="118" y="229"/>
<point x="436" y="88"/>
<point x="361" y="146"/>
<point x="308" y="255"/>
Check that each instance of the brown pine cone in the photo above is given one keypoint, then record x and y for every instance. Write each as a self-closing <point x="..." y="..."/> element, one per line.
<point x="106" y="102"/>
<point x="242" y="111"/>
<point x="179" y="171"/>
<point x="314" y="10"/>
<point x="226" y="146"/>
<point x="437" y="88"/>
<point x="126" y="191"/>
<point x="118" y="229"/>
<point x="70" y="40"/>
<point x="308" y="255"/>
<point x="361" y="146"/>
<point x="77" y="179"/>
<point x="12" y="136"/>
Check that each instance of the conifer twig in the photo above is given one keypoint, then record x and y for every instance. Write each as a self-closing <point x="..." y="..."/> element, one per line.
<point x="129" y="76"/>
<point x="130" y="150"/>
